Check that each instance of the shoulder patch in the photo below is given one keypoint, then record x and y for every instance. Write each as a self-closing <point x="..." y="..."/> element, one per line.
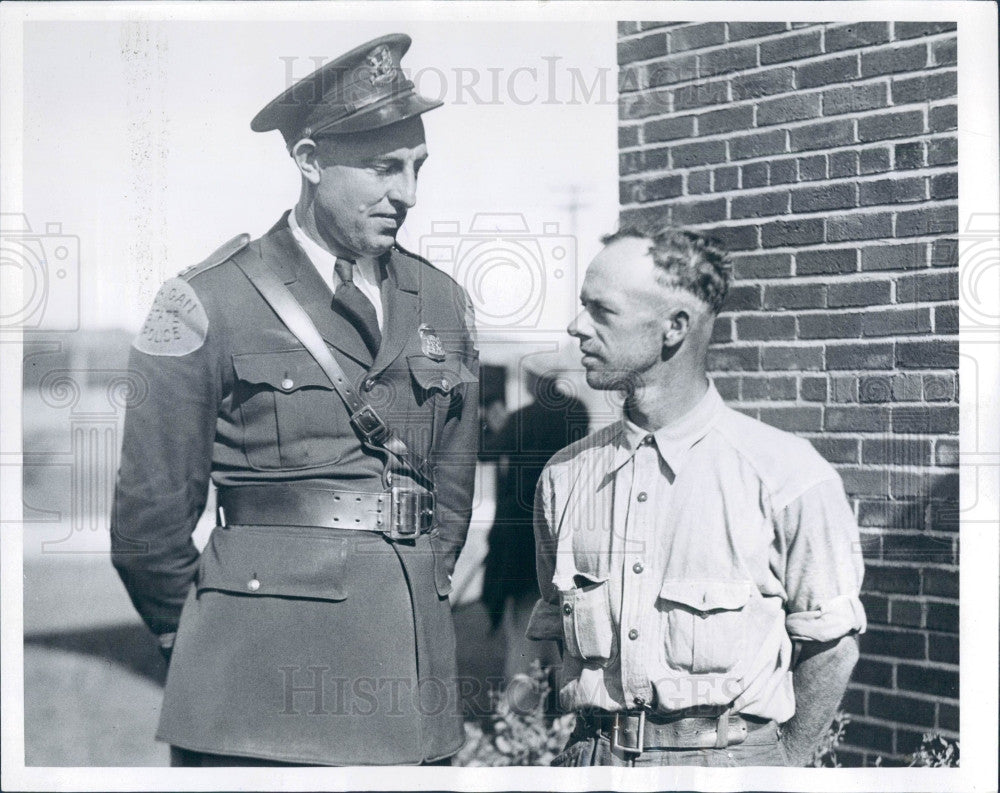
<point x="220" y="255"/>
<point x="177" y="323"/>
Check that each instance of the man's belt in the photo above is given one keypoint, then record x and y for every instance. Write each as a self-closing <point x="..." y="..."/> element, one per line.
<point x="636" y="731"/>
<point x="398" y="513"/>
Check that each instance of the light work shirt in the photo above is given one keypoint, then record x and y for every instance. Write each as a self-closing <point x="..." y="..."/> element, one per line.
<point x="365" y="274"/>
<point x="678" y="566"/>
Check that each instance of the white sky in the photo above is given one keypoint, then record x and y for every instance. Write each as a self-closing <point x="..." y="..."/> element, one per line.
<point x="137" y="140"/>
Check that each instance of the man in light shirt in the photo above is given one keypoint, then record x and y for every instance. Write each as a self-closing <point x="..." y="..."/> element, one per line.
<point x="701" y="569"/>
<point x="326" y="381"/>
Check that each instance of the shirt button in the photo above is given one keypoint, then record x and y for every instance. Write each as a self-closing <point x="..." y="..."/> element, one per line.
<point x="287" y="383"/>
<point x="637" y="567"/>
<point x="253" y="584"/>
<point x="647" y="441"/>
<point x="369" y="384"/>
<point x="642" y="496"/>
<point x="568" y="608"/>
<point x="633" y="634"/>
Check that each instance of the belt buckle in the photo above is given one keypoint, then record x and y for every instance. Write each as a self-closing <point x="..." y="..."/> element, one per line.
<point x="410" y="513"/>
<point x="617" y="731"/>
<point x="370" y="424"/>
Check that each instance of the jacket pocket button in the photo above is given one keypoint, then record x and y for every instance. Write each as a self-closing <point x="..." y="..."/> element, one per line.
<point x="253" y="584"/>
<point x="287" y="383"/>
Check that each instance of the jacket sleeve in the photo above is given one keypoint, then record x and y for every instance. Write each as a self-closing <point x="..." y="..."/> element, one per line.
<point x="454" y="458"/>
<point x="166" y="455"/>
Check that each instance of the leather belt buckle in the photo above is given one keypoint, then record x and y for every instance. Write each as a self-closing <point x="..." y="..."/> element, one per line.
<point x="618" y="732"/>
<point x="370" y="424"/>
<point x="411" y="513"/>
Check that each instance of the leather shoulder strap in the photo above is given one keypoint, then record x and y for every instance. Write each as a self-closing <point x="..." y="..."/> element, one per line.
<point x="363" y="416"/>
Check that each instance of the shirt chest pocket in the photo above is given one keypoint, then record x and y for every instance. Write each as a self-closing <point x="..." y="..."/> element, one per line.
<point x="586" y="619"/>
<point x="292" y="417"/>
<point x="705" y="624"/>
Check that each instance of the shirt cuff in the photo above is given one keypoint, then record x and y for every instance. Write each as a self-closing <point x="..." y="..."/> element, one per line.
<point x="545" y="622"/>
<point x="831" y="620"/>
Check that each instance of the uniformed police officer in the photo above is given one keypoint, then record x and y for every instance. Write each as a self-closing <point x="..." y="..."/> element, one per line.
<point x="326" y="381"/>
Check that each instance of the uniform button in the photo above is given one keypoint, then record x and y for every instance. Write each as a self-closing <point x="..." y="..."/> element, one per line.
<point x="568" y="608"/>
<point x="287" y="383"/>
<point x="642" y="496"/>
<point x="369" y="384"/>
<point x="633" y="634"/>
<point x="637" y="567"/>
<point x="445" y="383"/>
<point x="253" y="584"/>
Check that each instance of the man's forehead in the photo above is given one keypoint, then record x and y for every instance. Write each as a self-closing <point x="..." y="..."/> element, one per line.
<point x="403" y="139"/>
<point x="622" y="265"/>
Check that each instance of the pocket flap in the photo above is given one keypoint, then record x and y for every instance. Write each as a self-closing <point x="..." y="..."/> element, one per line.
<point x="278" y="562"/>
<point x="708" y="595"/>
<point x="444" y="375"/>
<point x="287" y="370"/>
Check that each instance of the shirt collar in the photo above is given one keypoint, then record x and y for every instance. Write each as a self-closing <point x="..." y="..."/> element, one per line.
<point x="323" y="260"/>
<point x="673" y="441"/>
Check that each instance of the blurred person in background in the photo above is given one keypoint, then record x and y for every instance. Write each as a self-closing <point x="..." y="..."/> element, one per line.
<point x="521" y="445"/>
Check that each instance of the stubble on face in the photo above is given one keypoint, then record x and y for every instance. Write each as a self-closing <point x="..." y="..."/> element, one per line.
<point x="620" y="330"/>
<point x="368" y="185"/>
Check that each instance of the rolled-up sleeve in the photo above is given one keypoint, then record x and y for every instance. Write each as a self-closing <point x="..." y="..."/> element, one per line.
<point x="546" y="621"/>
<point x="824" y="565"/>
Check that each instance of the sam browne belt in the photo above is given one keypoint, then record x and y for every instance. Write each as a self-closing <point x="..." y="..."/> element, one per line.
<point x="398" y="513"/>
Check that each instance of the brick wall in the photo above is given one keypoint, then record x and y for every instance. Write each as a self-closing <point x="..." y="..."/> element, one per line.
<point x="823" y="156"/>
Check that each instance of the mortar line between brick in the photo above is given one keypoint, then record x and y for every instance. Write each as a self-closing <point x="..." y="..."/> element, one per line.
<point x="794" y="62"/>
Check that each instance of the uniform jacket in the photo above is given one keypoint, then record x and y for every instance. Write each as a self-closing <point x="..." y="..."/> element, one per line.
<point x="344" y="650"/>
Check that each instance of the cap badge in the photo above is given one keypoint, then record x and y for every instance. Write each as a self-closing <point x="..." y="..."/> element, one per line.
<point x="382" y="69"/>
<point x="430" y="344"/>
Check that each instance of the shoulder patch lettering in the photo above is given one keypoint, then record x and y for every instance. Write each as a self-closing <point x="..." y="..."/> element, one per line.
<point x="177" y="323"/>
<point x="220" y="255"/>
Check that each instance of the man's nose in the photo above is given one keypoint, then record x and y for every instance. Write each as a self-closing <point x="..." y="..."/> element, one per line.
<point x="404" y="188"/>
<point x="577" y="328"/>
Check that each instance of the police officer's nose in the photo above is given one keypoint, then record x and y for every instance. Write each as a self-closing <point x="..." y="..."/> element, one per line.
<point x="404" y="188"/>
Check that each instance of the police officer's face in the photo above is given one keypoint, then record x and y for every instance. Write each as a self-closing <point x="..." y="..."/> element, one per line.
<point x="620" y="328"/>
<point x="367" y="184"/>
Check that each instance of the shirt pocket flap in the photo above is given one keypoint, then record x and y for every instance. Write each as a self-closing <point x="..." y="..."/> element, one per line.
<point x="287" y="371"/>
<point x="275" y="562"/>
<point x="708" y="595"/>
<point x="443" y="375"/>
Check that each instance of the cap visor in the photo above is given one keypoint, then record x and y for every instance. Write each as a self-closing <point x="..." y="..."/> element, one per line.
<point x="380" y="114"/>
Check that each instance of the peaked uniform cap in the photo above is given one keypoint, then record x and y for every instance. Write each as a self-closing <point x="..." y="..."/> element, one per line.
<point x="361" y="90"/>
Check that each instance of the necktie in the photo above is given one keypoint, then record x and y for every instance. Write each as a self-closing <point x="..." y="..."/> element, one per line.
<point x="359" y="308"/>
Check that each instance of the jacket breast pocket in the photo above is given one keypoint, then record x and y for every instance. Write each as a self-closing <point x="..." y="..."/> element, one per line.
<point x="275" y="562"/>
<point x="440" y="377"/>
<point x="705" y="625"/>
<point x="586" y="619"/>
<point x="290" y="412"/>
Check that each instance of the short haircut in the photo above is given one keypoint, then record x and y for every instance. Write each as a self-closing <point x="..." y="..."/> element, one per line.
<point x="686" y="260"/>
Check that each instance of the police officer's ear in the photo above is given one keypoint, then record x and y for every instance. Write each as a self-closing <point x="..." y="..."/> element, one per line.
<point x="306" y="156"/>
